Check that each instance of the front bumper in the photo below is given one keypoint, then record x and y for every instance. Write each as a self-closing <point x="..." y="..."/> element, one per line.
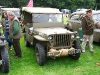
<point x="63" y="52"/>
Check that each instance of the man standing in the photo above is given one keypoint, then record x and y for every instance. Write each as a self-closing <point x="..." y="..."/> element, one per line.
<point x="15" y="34"/>
<point x="87" y="29"/>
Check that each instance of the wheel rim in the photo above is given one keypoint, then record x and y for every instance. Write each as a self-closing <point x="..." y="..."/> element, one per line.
<point x="1" y="59"/>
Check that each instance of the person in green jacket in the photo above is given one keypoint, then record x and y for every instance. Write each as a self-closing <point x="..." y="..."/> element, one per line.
<point x="15" y="33"/>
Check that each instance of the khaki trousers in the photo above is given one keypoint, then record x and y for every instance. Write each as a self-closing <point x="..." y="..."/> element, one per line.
<point x="90" y="39"/>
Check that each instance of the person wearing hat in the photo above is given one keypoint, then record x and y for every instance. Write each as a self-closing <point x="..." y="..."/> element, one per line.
<point x="87" y="29"/>
<point x="15" y="33"/>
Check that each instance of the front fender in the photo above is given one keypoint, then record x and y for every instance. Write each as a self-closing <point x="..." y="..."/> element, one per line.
<point x="69" y="25"/>
<point x="39" y="38"/>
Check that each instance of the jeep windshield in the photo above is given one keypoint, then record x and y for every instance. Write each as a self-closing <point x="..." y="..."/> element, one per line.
<point x="17" y="13"/>
<point x="47" y="18"/>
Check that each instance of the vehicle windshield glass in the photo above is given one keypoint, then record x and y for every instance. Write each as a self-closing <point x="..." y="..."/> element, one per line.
<point x="74" y="17"/>
<point x="17" y="13"/>
<point x="47" y="18"/>
<point x="96" y="17"/>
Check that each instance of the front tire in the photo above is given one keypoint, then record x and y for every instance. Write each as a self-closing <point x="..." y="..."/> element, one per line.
<point x="40" y="54"/>
<point x="5" y="60"/>
<point x="77" y="55"/>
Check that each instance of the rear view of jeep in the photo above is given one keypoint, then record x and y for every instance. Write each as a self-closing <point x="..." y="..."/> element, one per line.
<point x="44" y="30"/>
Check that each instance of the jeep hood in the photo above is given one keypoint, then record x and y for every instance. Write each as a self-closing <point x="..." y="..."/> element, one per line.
<point x="57" y="30"/>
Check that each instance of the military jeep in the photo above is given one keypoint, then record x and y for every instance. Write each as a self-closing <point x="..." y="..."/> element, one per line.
<point x="44" y="30"/>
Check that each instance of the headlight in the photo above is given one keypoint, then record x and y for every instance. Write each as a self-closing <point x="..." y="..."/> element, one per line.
<point x="50" y="37"/>
<point x="72" y="36"/>
<point x="30" y="30"/>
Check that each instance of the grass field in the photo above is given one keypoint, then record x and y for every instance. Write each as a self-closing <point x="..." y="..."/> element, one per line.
<point x="27" y="65"/>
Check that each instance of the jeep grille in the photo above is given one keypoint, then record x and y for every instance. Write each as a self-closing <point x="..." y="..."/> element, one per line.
<point x="61" y="40"/>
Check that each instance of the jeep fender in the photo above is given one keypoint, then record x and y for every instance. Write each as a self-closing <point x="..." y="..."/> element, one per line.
<point x="68" y="25"/>
<point x="39" y="38"/>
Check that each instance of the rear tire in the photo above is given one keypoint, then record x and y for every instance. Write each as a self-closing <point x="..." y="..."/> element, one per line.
<point x="40" y="54"/>
<point x="77" y="55"/>
<point x="5" y="60"/>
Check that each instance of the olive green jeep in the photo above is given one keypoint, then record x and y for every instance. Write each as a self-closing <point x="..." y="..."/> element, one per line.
<point x="44" y="29"/>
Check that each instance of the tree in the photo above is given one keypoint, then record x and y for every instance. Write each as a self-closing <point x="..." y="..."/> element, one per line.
<point x="22" y="3"/>
<point x="67" y="4"/>
<point x="6" y="3"/>
<point x="13" y="3"/>
<point x="97" y="5"/>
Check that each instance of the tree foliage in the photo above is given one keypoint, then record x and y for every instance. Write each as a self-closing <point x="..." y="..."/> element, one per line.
<point x="68" y="4"/>
<point x="13" y="3"/>
<point x="98" y="4"/>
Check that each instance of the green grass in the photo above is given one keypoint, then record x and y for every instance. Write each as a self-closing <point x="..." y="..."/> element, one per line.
<point x="27" y="65"/>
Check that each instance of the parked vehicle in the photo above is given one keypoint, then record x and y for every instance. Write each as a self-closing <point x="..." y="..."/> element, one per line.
<point x="0" y="8"/>
<point x="16" y="12"/>
<point x="64" y="11"/>
<point x="74" y="23"/>
<point x="81" y="9"/>
<point x="48" y="35"/>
